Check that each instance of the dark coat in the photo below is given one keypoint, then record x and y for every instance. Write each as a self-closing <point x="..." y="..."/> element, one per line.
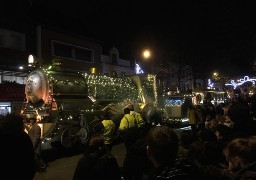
<point x="181" y="169"/>
<point x="16" y="153"/>
<point x="17" y="156"/>
<point x="249" y="172"/>
<point x="136" y="163"/>
<point x="97" y="165"/>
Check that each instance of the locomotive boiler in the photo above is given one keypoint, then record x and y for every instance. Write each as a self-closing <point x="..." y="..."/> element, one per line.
<point x="68" y="102"/>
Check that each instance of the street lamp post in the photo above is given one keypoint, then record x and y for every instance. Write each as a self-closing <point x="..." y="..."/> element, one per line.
<point x="146" y="54"/>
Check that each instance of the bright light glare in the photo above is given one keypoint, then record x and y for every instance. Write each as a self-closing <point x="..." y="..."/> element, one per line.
<point x="30" y="59"/>
<point x="146" y="54"/>
<point x="21" y="67"/>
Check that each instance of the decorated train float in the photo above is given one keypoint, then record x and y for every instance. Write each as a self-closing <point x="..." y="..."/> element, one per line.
<point x="68" y="102"/>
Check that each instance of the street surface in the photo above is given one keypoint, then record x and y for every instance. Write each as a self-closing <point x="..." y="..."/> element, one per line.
<point x="63" y="167"/>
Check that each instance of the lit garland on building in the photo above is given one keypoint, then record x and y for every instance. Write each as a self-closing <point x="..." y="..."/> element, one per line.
<point x="241" y="81"/>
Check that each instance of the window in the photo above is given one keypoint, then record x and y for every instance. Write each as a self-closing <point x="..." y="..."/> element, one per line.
<point x="83" y="54"/>
<point x="5" y="108"/>
<point x="69" y="51"/>
<point x="62" y="50"/>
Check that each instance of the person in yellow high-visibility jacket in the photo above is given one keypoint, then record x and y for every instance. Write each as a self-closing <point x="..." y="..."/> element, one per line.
<point x="109" y="131"/>
<point x="127" y="121"/>
<point x="137" y="116"/>
<point x="128" y="131"/>
<point x="191" y="114"/>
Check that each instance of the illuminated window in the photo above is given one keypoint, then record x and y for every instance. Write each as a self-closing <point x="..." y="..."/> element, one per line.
<point x="5" y="108"/>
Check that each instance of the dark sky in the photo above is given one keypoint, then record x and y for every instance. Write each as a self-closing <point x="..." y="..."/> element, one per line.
<point x="214" y="34"/>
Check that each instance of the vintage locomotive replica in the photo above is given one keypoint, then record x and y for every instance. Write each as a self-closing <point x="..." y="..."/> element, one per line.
<point x="68" y="102"/>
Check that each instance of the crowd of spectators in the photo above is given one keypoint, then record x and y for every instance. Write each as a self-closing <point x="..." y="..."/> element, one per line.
<point x="220" y="145"/>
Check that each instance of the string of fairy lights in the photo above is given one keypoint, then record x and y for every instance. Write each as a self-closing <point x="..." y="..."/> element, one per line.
<point x="100" y="87"/>
<point x="105" y="87"/>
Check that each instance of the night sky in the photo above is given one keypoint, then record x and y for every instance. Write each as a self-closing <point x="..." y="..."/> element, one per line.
<point x="218" y="35"/>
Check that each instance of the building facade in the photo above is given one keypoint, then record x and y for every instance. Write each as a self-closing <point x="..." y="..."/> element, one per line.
<point x="75" y="52"/>
<point x="112" y="64"/>
<point x="47" y="44"/>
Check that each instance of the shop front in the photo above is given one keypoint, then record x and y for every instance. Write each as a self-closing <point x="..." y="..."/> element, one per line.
<point x="11" y="98"/>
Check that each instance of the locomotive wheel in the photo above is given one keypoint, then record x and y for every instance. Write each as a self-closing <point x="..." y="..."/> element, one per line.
<point x="68" y="138"/>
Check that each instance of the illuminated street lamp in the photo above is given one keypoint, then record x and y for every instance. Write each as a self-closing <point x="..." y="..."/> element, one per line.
<point x="215" y="76"/>
<point x="145" y="54"/>
<point x="31" y="59"/>
<point x="34" y="61"/>
<point x="219" y="79"/>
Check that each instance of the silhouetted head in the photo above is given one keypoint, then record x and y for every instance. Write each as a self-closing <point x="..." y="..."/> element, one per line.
<point x="222" y="131"/>
<point x="126" y="111"/>
<point x="96" y="141"/>
<point x="11" y="123"/>
<point x="162" y="144"/>
<point x="131" y="107"/>
<point x="207" y="135"/>
<point x="239" y="113"/>
<point x="240" y="152"/>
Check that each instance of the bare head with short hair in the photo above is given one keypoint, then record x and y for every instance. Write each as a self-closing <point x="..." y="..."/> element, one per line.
<point x="240" y="152"/>
<point x="162" y="145"/>
<point x="126" y="111"/>
<point x="96" y="141"/>
<point x="131" y="107"/>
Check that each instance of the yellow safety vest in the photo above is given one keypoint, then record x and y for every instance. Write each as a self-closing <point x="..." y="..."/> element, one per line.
<point x="109" y="131"/>
<point x="126" y="122"/>
<point x="138" y="119"/>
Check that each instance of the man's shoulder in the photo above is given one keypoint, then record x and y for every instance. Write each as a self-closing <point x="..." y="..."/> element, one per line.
<point x="128" y="116"/>
<point x="105" y="160"/>
<point x="107" y="156"/>
<point x="173" y="173"/>
<point x="107" y="121"/>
